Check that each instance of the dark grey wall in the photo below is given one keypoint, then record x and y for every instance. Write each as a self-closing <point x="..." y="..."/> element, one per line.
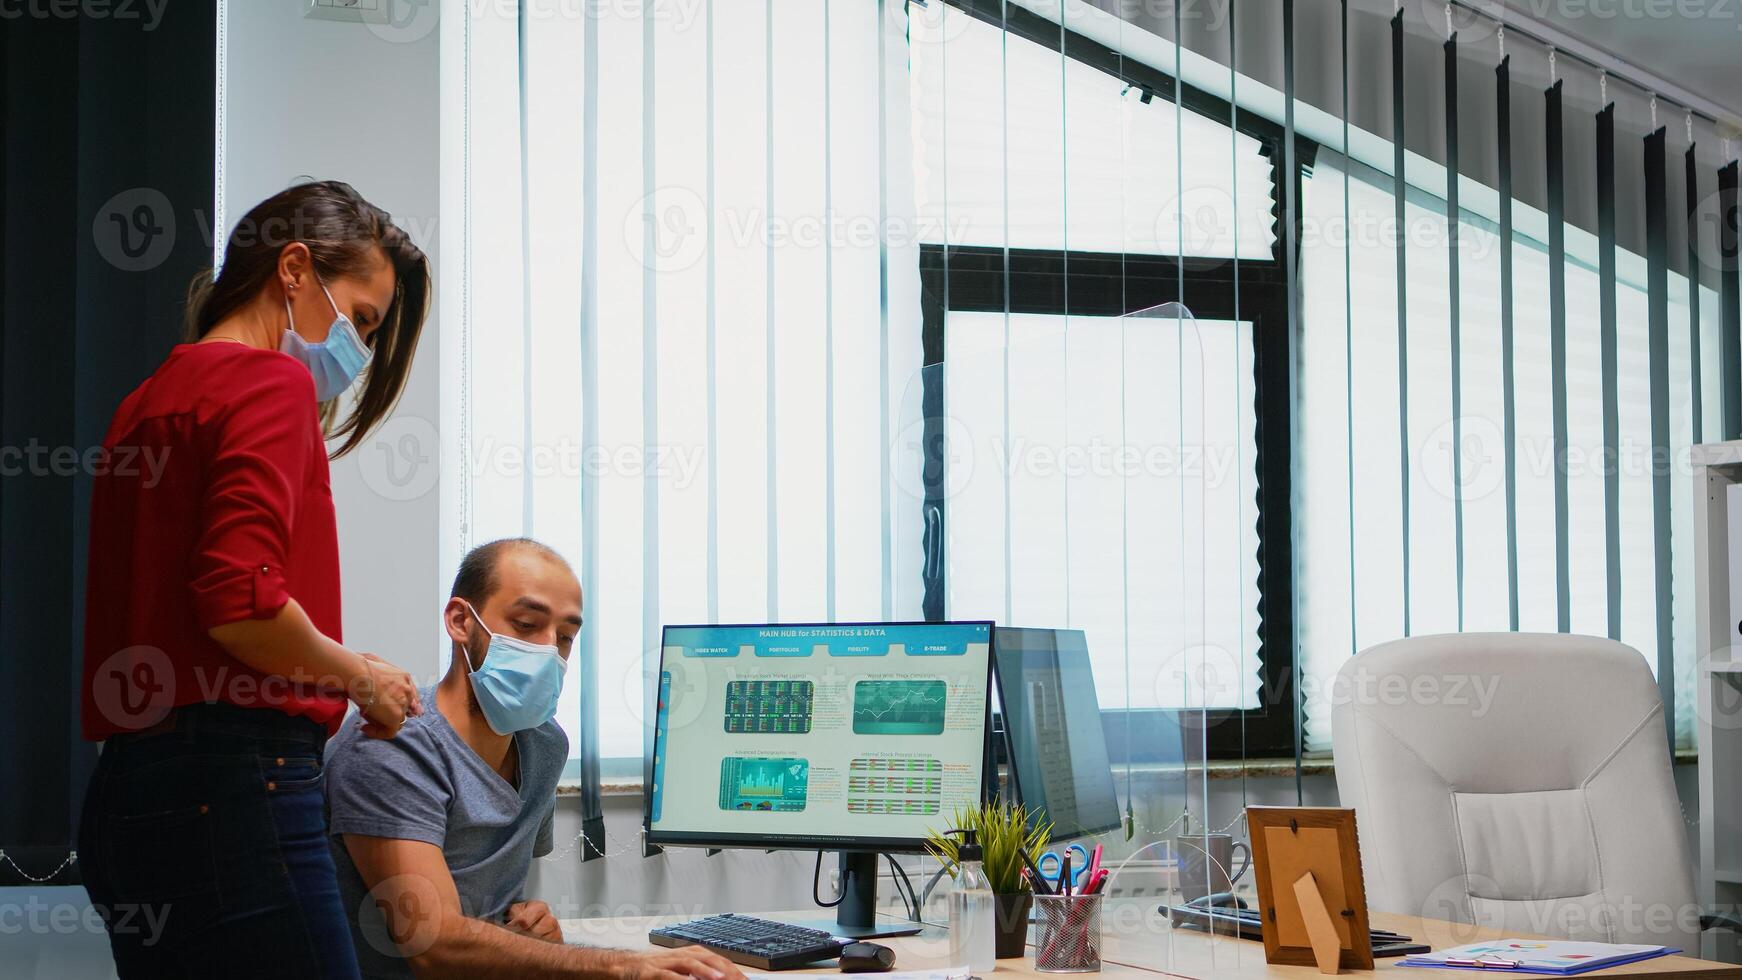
<point x="106" y="191"/>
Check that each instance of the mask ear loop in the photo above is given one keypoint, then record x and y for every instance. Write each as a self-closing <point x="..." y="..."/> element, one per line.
<point x="470" y="667"/>
<point x="332" y="302"/>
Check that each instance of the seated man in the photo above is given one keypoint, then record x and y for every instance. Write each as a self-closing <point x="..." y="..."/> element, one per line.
<point x="433" y="831"/>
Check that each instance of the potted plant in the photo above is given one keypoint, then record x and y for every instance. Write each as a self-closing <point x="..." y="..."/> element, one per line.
<point x="1005" y="834"/>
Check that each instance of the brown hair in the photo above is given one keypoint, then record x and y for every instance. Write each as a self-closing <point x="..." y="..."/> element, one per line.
<point x="342" y="231"/>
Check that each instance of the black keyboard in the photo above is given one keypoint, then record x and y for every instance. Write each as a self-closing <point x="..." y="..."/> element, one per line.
<point x="749" y="941"/>
<point x="1247" y="924"/>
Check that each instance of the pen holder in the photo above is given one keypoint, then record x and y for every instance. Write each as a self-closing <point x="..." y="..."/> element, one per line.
<point x="1069" y="936"/>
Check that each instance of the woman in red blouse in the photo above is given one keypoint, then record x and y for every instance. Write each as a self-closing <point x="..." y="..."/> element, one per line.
<point x="213" y="668"/>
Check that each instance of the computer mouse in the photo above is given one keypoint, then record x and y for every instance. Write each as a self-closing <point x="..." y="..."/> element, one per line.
<point x="867" y="958"/>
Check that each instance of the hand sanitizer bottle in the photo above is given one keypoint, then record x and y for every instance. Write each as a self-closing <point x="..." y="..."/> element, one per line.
<point x="973" y="914"/>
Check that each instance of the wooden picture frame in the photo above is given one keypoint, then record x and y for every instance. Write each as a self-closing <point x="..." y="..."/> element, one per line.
<point x="1310" y="890"/>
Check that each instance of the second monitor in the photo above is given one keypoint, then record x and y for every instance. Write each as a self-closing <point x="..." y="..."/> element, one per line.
<point x="1054" y="731"/>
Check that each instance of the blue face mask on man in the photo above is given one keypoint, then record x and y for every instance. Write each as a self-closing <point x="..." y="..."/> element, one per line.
<point x="336" y="361"/>
<point x="518" y="684"/>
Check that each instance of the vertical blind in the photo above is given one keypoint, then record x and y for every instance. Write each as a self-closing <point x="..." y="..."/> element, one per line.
<point x="1544" y="378"/>
<point x="691" y="316"/>
<point x="1093" y="448"/>
<point x="693" y="264"/>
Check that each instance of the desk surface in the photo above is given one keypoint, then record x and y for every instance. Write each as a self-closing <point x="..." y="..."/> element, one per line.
<point x="928" y="950"/>
<point x="1138" y="942"/>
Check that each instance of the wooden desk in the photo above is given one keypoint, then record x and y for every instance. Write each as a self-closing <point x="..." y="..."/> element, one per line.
<point x="1137" y="943"/>
<point x="1196" y="955"/>
<point x="928" y="950"/>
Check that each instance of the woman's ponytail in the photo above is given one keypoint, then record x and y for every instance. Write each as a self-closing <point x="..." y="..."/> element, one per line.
<point x="199" y="295"/>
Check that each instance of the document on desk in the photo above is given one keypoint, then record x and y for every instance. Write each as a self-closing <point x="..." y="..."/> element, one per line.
<point x="942" y="973"/>
<point x="1551" y="956"/>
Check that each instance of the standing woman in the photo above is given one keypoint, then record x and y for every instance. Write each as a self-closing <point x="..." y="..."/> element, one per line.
<point x="213" y="670"/>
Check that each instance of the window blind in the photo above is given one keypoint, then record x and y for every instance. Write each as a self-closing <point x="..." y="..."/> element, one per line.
<point x="691" y="258"/>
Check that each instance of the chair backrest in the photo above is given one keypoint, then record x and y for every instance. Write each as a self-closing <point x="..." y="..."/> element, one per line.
<point x="1516" y="780"/>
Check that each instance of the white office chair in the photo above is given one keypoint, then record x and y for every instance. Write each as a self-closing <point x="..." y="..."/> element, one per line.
<point x="1516" y="780"/>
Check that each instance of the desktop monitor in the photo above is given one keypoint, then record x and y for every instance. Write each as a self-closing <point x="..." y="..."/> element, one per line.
<point x="1053" y="731"/>
<point x="858" y="738"/>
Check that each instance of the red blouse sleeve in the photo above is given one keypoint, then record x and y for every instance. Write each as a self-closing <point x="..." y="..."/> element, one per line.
<point x="260" y="446"/>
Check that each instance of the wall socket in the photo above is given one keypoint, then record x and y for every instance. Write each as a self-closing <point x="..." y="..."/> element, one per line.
<point x="353" y="11"/>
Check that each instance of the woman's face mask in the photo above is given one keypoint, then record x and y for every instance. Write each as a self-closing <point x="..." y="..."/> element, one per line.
<point x="336" y="361"/>
<point x="518" y="684"/>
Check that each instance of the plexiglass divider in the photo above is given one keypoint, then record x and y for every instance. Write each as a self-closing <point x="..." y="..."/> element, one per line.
<point x="1090" y="479"/>
<point x="1079" y="457"/>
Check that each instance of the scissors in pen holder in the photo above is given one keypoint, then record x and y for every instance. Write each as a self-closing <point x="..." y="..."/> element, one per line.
<point x="1067" y="869"/>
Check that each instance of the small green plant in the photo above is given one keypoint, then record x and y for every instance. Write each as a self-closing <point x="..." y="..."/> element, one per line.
<point x="1004" y="834"/>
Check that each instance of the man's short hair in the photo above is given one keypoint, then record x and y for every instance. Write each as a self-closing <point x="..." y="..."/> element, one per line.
<point x="476" y="580"/>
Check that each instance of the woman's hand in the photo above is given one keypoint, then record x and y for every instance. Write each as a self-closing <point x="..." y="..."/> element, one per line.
<point x="385" y="695"/>
<point x="288" y="645"/>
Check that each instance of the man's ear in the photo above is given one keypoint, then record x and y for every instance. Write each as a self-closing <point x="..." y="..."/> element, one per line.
<point x="458" y="620"/>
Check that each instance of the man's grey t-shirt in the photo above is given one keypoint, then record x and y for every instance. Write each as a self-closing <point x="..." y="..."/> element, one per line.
<point x="426" y="784"/>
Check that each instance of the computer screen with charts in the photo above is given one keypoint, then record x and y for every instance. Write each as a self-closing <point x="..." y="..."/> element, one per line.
<point x="1053" y="726"/>
<point x="853" y="737"/>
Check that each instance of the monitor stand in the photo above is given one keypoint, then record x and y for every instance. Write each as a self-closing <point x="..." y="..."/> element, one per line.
<point x="856" y="916"/>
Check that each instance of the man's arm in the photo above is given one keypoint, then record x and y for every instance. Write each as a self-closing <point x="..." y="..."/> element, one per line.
<point x="409" y="881"/>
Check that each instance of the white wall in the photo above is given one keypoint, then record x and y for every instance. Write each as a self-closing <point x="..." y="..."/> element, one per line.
<point x="359" y="103"/>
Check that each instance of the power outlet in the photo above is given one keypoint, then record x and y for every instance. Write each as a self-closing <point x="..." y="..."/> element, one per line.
<point x="352" y="11"/>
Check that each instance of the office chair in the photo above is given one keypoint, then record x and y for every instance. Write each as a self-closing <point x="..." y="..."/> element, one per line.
<point x="1516" y="780"/>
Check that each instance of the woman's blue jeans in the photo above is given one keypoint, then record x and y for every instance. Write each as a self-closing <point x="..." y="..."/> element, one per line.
<point x="204" y="847"/>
